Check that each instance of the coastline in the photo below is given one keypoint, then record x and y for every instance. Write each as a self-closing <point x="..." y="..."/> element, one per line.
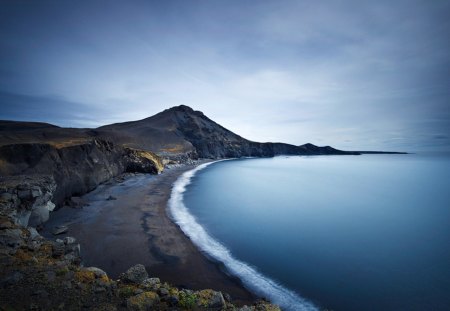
<point x="113" y="244"/>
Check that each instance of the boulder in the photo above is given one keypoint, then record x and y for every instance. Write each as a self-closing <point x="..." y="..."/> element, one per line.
<point x="163" y="292"/>
<point x="40" y="213"/>
<point x="99" y="273"/>
<point x="60" y="230"/>
<point x="151" y="283"/>
<point x="58" y="249"/>
<point x="33" y="245"/>
<point x="136" y="274"/>
<point x="217" y="300"/>
<point x="69" y="240"/>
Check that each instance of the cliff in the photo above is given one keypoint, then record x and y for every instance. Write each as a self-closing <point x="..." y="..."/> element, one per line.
<point x="75" y="168"/>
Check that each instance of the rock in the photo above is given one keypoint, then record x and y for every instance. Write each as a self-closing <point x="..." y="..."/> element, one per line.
<point x="110" y="198"/>
<point x="76" y="202"/>
<point x="60" y="230"/>
<point x="6" y="197"/>
<point x="11" y="237"/>
<point x="58" y="249"/>
<point x="227" y="297"/>
<point x="36" y="192"/>
<point x="245" y="308"/>
<point x="217" y="300"/>
<point x="33" y="245"/>
<point x="163" y="292"/>
<point x="136" y="274"/>
<point x="99" y="273"/>
<point x="34" y="235"/>
<point x="24" y="194"/>
<point x="69" y="240"/>
<point x="22" y="217"/>
<point x="72" y="253"/>
<point x="40" y="213"/>
<point x="59" y="241"/>
<point x="138" y="291"/>
<point x="142" y="302"/>
<point x="151" y="283"/>
<point x="99" y="289"/>
<point x="70" y="258"/>
<point x="76" y="249"/>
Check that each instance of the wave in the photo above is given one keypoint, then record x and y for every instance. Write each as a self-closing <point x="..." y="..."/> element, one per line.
<point x="252" y="279"/>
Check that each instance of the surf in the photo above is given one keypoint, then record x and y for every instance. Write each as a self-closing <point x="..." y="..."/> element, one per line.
<point x="250" y="277"/>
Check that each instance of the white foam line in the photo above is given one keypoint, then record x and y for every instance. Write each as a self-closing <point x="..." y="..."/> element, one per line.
<point x="252" y="279"/>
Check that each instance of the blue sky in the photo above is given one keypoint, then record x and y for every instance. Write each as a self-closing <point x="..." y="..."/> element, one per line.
<point x="361" y="75"/>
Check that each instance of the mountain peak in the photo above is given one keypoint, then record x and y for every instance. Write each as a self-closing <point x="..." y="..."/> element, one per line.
<point x="182" y="108"/>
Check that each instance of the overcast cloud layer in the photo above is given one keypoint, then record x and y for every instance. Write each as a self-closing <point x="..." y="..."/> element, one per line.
<point x="371" y="75"/>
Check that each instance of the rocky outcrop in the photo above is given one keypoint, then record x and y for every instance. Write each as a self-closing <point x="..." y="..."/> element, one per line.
<point x="27" y="200"/>
<point x="76" y="169"/>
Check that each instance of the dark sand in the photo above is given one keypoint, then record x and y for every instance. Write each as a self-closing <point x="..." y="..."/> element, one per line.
<point x="117" y="234"/>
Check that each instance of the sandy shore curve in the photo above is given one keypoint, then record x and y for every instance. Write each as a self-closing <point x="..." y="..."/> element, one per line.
<point x="126" y="223"/>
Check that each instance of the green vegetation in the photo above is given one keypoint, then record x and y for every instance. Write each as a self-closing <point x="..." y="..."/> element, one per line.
<point x="187" y="300"/>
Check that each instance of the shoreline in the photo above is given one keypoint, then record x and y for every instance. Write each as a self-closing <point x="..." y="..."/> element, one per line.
<point x="148" y="236"/>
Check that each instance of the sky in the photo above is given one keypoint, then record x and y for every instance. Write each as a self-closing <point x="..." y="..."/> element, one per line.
<point x="356" y="75"/>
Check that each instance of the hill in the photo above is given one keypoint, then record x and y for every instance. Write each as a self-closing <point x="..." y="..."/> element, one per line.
<point x="182" y="130"/>
<point x="174" y="132"/>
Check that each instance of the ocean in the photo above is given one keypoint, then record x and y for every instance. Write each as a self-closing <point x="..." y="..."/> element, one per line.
<point x="369" y="232"/>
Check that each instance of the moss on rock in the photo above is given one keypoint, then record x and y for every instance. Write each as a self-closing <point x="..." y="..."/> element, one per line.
<point x="143" y="301"/>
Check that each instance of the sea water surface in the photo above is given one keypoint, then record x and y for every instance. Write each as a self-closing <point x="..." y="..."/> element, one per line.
<point x="368" y="232"/>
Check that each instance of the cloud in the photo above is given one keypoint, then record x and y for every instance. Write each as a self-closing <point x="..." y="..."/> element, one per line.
<point x="350" y="74"/>
<point x="50" y="109"/>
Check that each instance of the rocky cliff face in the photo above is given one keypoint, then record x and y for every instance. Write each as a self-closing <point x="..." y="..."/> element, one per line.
<point x="78" y="168"/>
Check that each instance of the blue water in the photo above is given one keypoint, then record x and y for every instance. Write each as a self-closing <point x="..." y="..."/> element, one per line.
<point x="367" y="232"/>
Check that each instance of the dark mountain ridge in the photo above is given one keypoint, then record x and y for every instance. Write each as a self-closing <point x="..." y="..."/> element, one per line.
<point x="181" y="129"/>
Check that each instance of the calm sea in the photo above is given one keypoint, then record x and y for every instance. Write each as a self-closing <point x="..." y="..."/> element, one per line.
<point x="367" y="232"/>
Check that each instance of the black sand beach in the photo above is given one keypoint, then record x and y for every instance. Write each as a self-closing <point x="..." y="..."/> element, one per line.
<point x="132" y="227"/>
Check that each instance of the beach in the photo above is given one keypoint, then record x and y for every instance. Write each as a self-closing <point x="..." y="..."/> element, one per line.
<point x="125" y="222"/>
